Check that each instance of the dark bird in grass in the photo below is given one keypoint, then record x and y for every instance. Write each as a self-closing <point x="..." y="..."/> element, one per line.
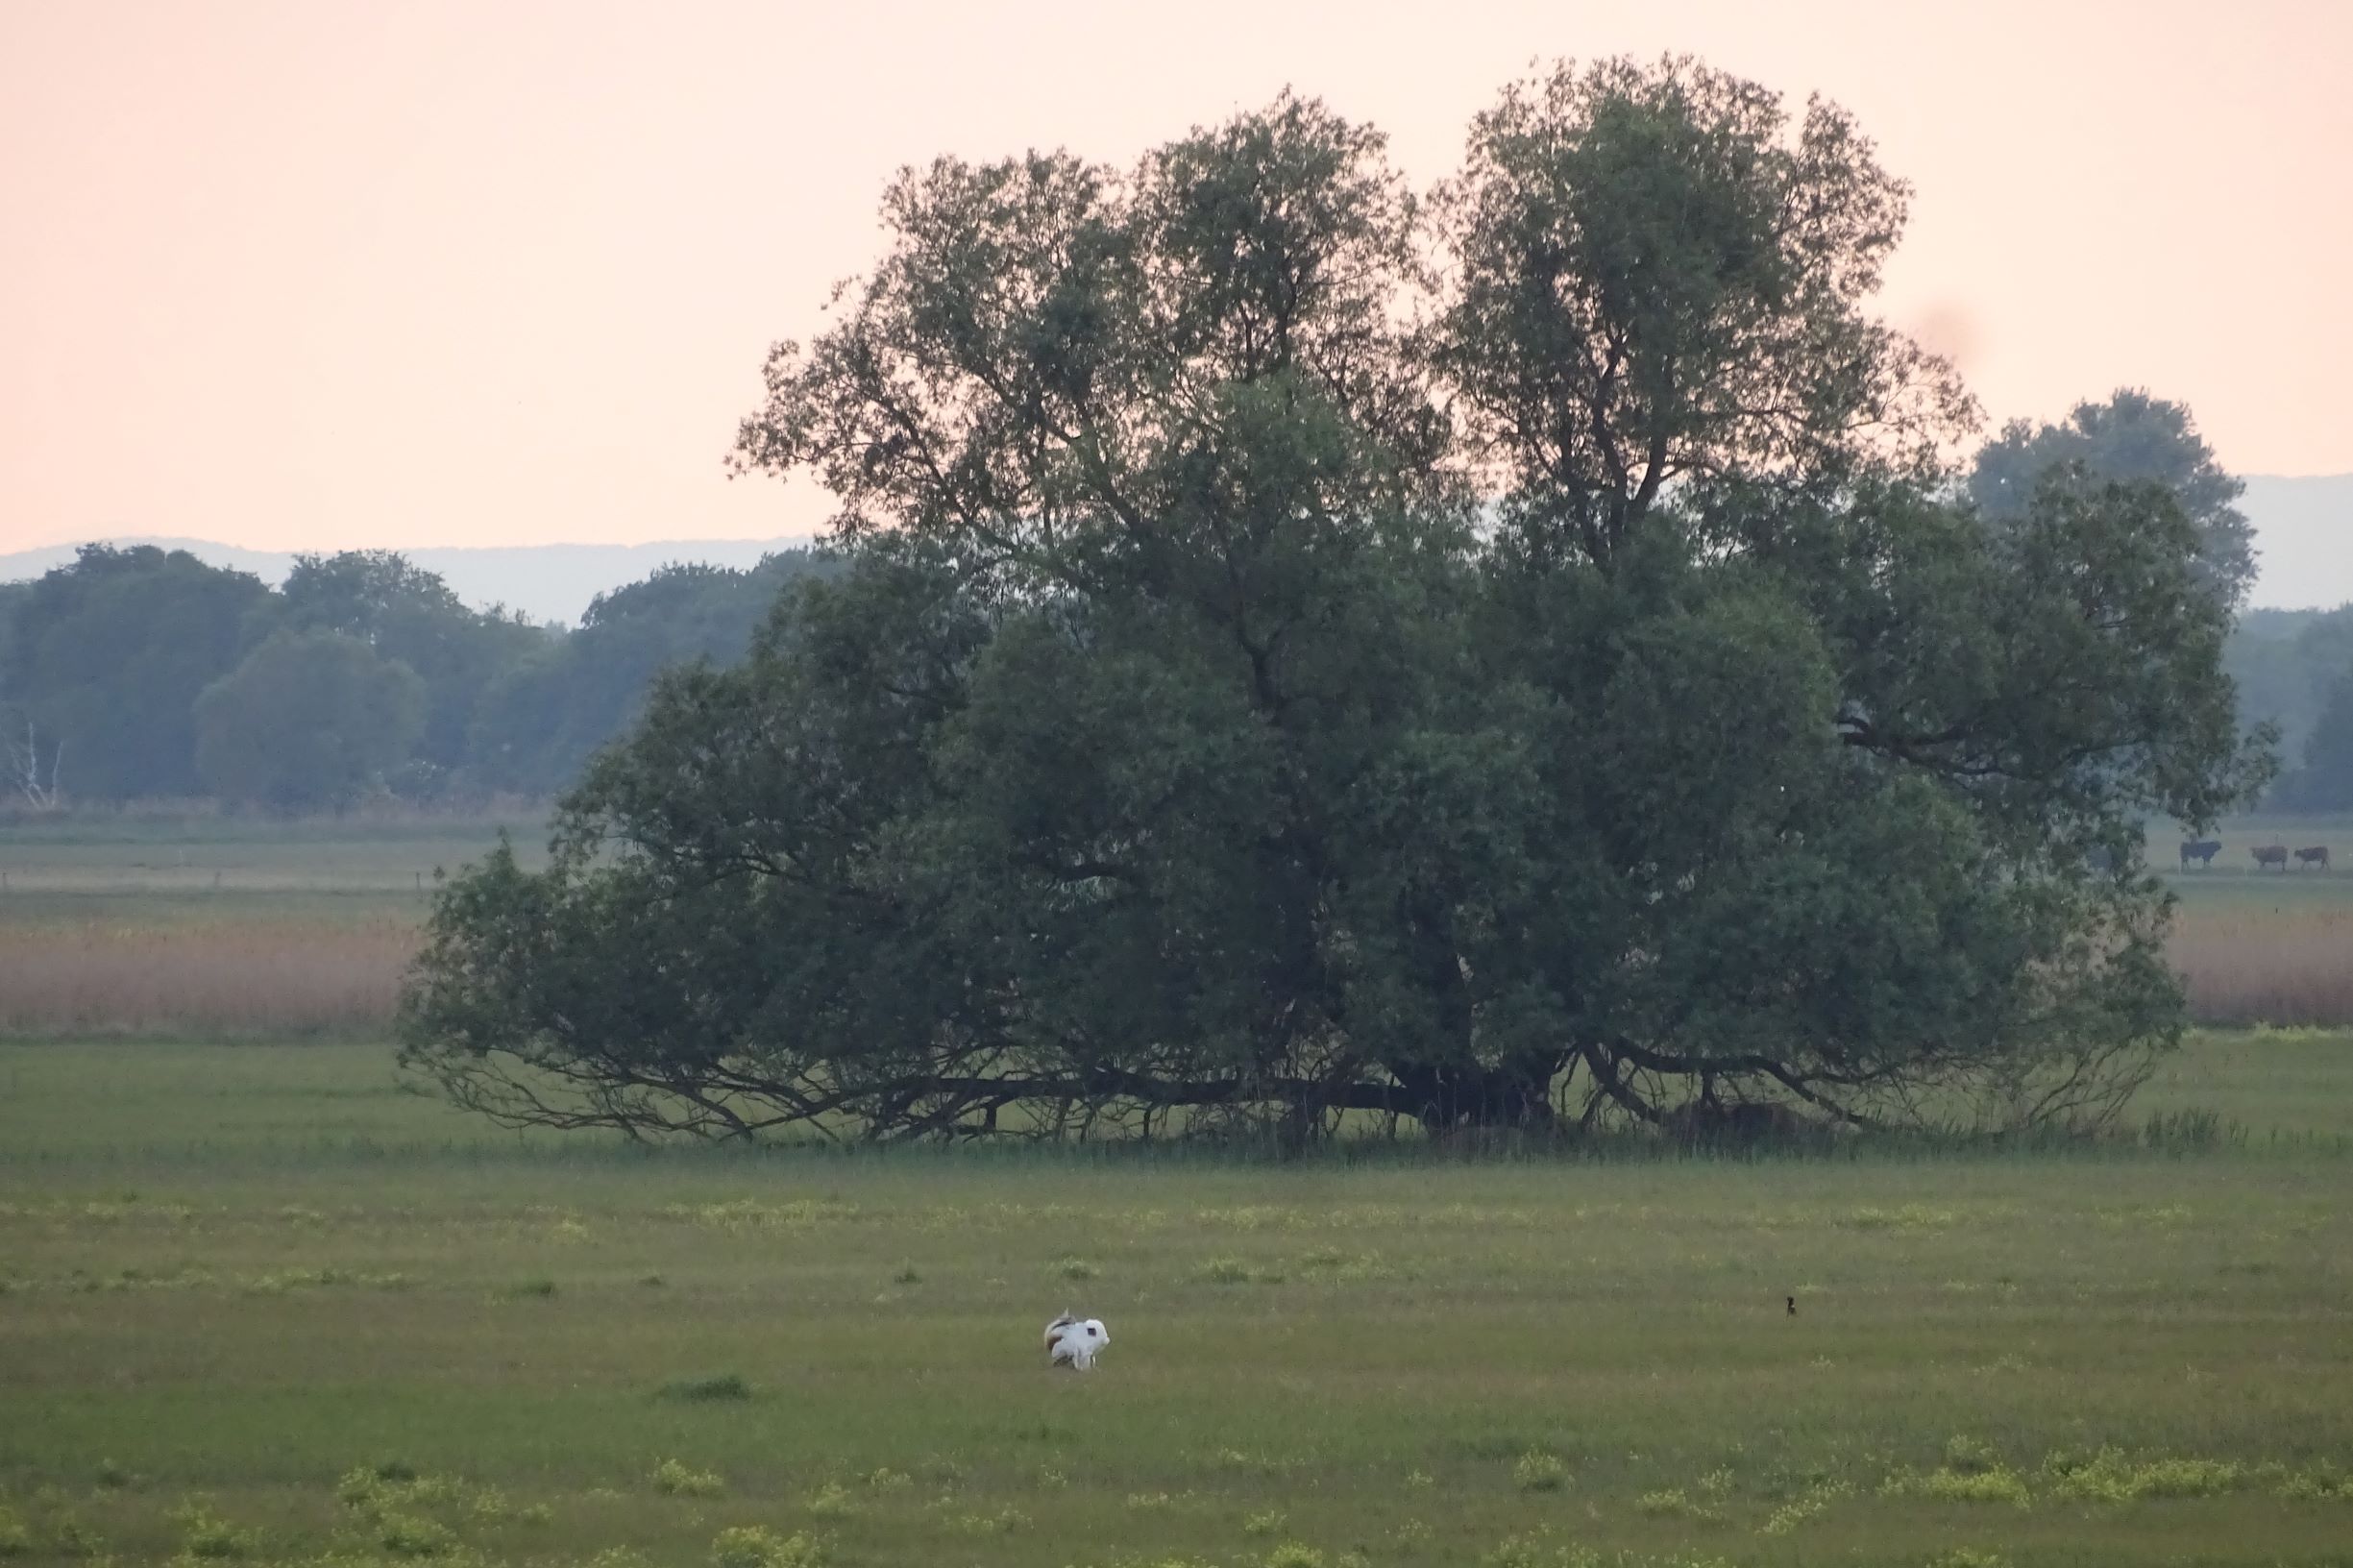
<point x="1793" y="1305"/>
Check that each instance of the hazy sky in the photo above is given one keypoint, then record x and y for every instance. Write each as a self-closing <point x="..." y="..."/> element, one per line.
<point x="312" y="275"/>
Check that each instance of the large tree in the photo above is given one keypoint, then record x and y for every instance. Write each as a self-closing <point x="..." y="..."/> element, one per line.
<point x="1313" y="650"/>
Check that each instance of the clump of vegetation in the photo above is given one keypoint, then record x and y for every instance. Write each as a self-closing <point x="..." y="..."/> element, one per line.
<point x="907" y="1274"/>
<point x="15" y="1540"/>
<point x="1074" y="1269"/>
<point x="1265" y="1522"/>
<point x="205" y="1534"/>
<point x="413" y="1535"/>
<point x="673" y="1479"/>
<point x="540" y="1288"/>
<point x="1294" y="1554"/>
<point x="2108" y="1474"/>
<point x="720" y="1389"/>
<point x="756" y="1546"/>
<point x="1810" y="1504"/>
<point x="832" y="1501"/>
<point x="1672" y="1503"/>
<point x="1944" y="1485"/>
<point x="1537" y="1471"/>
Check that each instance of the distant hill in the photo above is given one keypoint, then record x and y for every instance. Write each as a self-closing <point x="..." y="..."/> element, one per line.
<point x="547" y="582"/>
<point x="2303" y="528"/>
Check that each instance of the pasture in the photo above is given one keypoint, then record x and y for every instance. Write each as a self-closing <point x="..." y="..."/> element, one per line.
<point x="263" y="1304"/>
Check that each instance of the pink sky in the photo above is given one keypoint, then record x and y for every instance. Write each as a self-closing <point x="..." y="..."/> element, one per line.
<point x="307" y="275"/>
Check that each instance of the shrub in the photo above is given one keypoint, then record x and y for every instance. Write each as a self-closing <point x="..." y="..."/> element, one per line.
<point x="675" y="1479"/>
<point x="832" y="1502"/>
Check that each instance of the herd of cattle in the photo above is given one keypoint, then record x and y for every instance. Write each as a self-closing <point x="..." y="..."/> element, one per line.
<point x="2203" y="851"/>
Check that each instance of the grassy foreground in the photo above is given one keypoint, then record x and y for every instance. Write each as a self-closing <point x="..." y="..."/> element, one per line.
<point x="262" y="1304"/>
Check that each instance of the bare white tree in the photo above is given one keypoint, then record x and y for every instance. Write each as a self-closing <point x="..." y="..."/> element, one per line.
<point x="24" y="769"/>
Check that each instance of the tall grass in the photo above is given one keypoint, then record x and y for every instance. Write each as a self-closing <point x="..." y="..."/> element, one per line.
<point x="262" y="978"/>
<point x="2267" y="965"/>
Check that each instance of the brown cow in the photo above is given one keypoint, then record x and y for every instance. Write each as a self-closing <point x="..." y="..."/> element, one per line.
<point x="2271" y="854"/>
<point x="2316" y="855"/>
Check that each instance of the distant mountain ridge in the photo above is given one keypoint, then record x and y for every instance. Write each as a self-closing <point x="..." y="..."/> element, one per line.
<point x="2303" y="532"/>
<point x="547" y="582"/>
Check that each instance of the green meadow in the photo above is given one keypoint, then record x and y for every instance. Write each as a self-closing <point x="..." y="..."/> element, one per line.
<point x="264" y="1303"/>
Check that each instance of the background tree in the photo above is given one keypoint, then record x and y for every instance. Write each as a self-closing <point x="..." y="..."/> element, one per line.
<point x="1185" y="741"/>
<point x="539" y="721"/>
<point x="310" y="720"/>
<point x="2323" y="781"/>
<point x="409" y="616"/>
<point x="2131" y="438"/>
<point x="106" y="655"/>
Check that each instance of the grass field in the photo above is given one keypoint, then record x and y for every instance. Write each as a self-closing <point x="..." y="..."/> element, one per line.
<point x="263" y="1304"/>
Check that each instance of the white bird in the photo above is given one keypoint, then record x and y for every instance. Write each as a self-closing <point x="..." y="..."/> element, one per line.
<point x="1074" y="1341"/>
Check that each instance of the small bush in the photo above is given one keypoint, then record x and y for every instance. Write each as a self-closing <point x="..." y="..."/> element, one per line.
<point x="756" y="1546"/>
<point x="1539" y="1472"/>
<point x="832" y="1502"/>
<point x="675" y="1479"/>
<point x="726" y="1385"/>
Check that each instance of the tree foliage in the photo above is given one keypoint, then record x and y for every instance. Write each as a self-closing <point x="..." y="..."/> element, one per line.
<point x="2132" y="438"/>
<point x="1312" y="650"/>
<point x="311" y="720"/>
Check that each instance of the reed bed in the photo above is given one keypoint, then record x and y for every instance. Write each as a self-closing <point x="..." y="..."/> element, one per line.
<point x="2267" y="965"/>
<point x="273" y="978"/>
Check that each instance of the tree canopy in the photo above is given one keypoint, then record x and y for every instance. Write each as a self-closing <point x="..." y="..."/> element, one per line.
<point x="1499" y="657"/>
<point x="311" y="720"/>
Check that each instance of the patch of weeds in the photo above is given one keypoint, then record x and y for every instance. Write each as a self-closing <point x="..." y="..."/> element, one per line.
<point x="1295" y="1554"/>
<point x="675" y="1479"/>
<point x="70" y="1537"/>
<point x="1150" y="1500"/>
<point x="1421" y="1480"/>
<point x="1998" y="1484"/>
<point x="1074" y="1268"/>
<point x="653" y="1282"/>
<point x="15" y="1539"/>
<point x="1970" y="1454"/>
<point x="206" y="1536"/>
<point x="1814" y="1502"/>
<point x="756" y="1546"/>
<point x="1004" y="1522"/>
<point x="1537" y="1471"/>
<point x="412" y="1535"/>
<point x="2110" y="1476"/>
<point x="1964" y="1557"/>
<point x="888" y="1480"/>
<point x="538" y="1289"/>
<point x="111" y="1477"/>
<point x="1225" y="1271"/>
<point x="1717" y="1484"/>
<point x="712" y="1390"/>
<point x="1911" y="1217"/>
<point x="2314" y="1485"/>
<point x="537" y="1515"/>
<point x="908" y="1274"/>
<point x="832" y="1502"/>
<point x="1672" y="1503"/>
<point x="1265" y="1522"/>
<point x="1538" y="1551"/>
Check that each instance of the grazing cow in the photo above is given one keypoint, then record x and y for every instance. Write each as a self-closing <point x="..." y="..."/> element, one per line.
<point x="2316" y="855"/>
<point x="2201" y="850"/>
<point x="2271" y="854"/>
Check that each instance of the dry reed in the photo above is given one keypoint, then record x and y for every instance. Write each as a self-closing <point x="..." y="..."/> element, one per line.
<point x="275" y="978"/>
<point x="2277" y="967"/>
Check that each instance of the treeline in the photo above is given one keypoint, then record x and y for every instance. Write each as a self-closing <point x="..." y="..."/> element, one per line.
<point x="143" y="674"/>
